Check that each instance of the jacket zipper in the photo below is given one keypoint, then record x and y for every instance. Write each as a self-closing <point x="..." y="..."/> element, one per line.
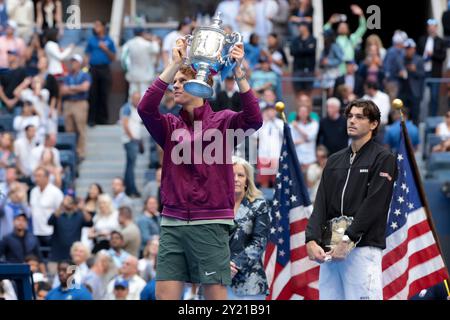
<point x="352" y="157"/>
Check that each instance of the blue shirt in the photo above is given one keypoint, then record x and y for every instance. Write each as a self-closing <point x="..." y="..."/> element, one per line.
<point x="97" y="55"/>
<point x="59" y="293"/>
<point x="392" y="134"/>
<point x="15" y="248"/>
<point x="148" y="293"/>
<point x="118" y="259"/>
<point x="75" y="80"/>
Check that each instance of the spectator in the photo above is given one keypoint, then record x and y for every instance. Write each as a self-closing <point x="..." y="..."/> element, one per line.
<point x="22" y="12"/>
<point x="55" y="54"/>
<point x="333" y="128"/>
<point x="7" y="157"/>
<point x="345" y="94"/>
<point x="22" y="149"/>
<point x="394" y="68"/>
<point x="184" y="28"/>
<point x="10" y="178"/>
<point x="49" y="144"/>
<point x="346" y="41"/>
<point x="10" y="79"/>
<point x="330" y="59"/>
<point x="132" y="141"/>
<point x="229" y="10"/>
<point x="32" y="54"/>
<point x="45" y="199"/>
<point x="79" y="254"/>
<point x="139" y="57"/>
<point x="66" y="290"/>
<point x="411" y="89"/>
<point x="303" y="50"/>
<point x="265" y="10"/>
<point x="76" y="93"/>
<point x="280" y="20"/>
<point x="443" y="131"/>
<point x="264" y="77"/>
<point x="393" y="135"/>
<point x="33" y="263"/>
<point x="116" y="251"/>
<point x="49" y="15"/>
<point x="67" y="223"/>
<point x="302" y="13"/>
<point x="381" y="99"/>
<point x="149" y="291"/>
<point x="304" y="134"/>
<point x="9" y="42"/>
<point x="100" y="52"/>
<point x="92" y="198"/>
<point x="120" y="198"/>
<point x="121" y="290"/>
<point x="351" y="79"/>
<point x="130" y="232"/>
<point x="153" y="189"/>
<point x="96" y="277"/>
<point x="374" y="41"/>
<point x="252" y="51"/>
<point x="12" y="203"/>
<point x="371" y="69"/>
<point x="43" y="288"/>
<point x="147" y="265"/>
<point x="228" y="98"/>
<point x="149" y="222"/>
<point x="15" y="246"/>
<point x="54" y="169"/>
<point x="433" y="50"/>
<point x="246" y="18"/>
<point x="303" y="100"/>
<point x="26" y="118"/>
<point x="105" y="221"/>
<point x="50" y="82"/>
<point x="128" y="272"/>
<point x="314" y="172"/>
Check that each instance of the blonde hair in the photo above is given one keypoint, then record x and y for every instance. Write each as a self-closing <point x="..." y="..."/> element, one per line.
<point x="106" y="198"/>
<point x="373" y="39"/>
<point x="81" y="245"/>
<point x="251" y="193"/>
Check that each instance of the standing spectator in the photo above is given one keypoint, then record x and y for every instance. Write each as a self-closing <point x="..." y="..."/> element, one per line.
<point x="14" y="202"/>
<point x="149" y="222"/>
<point x="130" y="232"/>
<point x="411" y="89"/>
<point x="23" y="150"/>
<point x="116" y="252"/>
<point x="9" y="80"/>
<point x="76" y="93"/>
<point x="67" y="223"/>
<point x="132" y="129"/>
<point x="393" y="135"/>
<point x="275" y="54"/>
<point x="128" y="272"/>
<point x="303" y="50"/>
<point x="249" y="238"/>
<point x="106" y="220"/>
<point x="265" y="10"/>
<point x="22" y="12"/>
<point x="280" y="20"/>
<point x="228" y="98"/>
<point x="139" y="58"/>
<point x="7" y="157"/>
<point x="229" y="10"/>
<point x="371" y="69"/>
<point x="314" y="172"/>
<point x="394" y="68"/>
<point x="333" y="129"/>
<point x="330" y="59"/>
<point x="120" y="198"/>
<point x="100" y="52"/>
<point x="348" y="42"/>
<point x="45" y="199"/>
<point x="184" y="28"/>
<point x="32" y="53"/>
<point x="55" y="54"/>
<point x="304" y="134"/>
<point x="302" y="12"/>
<point x="375" y="41"/>
<point x="66" y="290"/>
<point x="49" y="15"/>
<point x="351" y="79"/>
<point x="96" y="276"/>
<point x="9" y="42"/>
<point x="50" y="82"/>
<point x="147" y="265"/>
<point x="10" y="178"/>
<point x="433" y="50"/>
<point x="246" y="19"/>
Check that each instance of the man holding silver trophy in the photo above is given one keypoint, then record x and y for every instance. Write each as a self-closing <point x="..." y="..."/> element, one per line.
<point x="346" y="231"/>
<point x="198" y="196"/>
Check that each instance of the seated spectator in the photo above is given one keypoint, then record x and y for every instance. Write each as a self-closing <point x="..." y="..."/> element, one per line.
<point x="116" y="252"/>
<point x="14" y="203"/>
<point x="9" y="42"/>
<point x="443" y="131"/>
<point x="147" y="265"/>
<point x="275" y="54"/>
<point x="314" y="172"/>
<point x="67" y="223"/>
<point x="91" y="206"/>
<point x="121" y="290"/>
<point x="351" y="79"/>
<point x="371" y="69"/>
<point x="392" y="135"/>
<point x="345" y="94"/>
<point x="10" y="179"/>
<point x="37" y="275"/>
<point x="120" y="198"/>
<point x="96" y="277"/>
<point x="106" y="220"/>
<point x="152" y="189"/>
<point x="381" y="99"/>
<point x="149" y="222"/>
<point x="66" y="290"/>
<point x="130" y="232"/>
<point x="303" y="100"/>
<point x="149" y="291"/>
<point x="228" y="98"/>
<point x="15" y="246"/>
<point x="304" y="134"/>
<point x="55" y="170"/>
<point x="264" y="77"/>
<point x="7" y="157"/>
<point x="26" y="118"/>
<point x="49" y="144"/>
<point x="10" y="79"/>
<point x="43" y="288"/>
<point x="128" y="272"/>
<point x="252" y="51"/>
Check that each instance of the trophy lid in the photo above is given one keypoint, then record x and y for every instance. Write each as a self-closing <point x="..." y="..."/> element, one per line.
<point x="216" y="20"/>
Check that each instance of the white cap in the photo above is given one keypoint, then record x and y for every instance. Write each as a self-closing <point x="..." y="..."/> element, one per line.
<point x="12" y="24"/>
<point x="399" y="37"/>
<point x="77" y="57"/>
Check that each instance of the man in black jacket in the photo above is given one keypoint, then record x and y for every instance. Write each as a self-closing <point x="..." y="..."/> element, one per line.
<point x="356" y="188"/>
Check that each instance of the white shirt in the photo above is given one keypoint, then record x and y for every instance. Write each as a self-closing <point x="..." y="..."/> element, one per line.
<point x="103" y="223"/>
<point x="270" y="137"/>
<point x="43" y="204"/>
<point x="444" y="132"/>
<point x="265" y="9"/>
<point x="23" y="14"/>
<point x="55" y="57"/>
<point x="134" y="122"/>
<point x="229" y="10"/>
<point x="22" y="150"/>
<point x="21" y="122"/>
<point x="381" y="99"/>
<point x="306" y="151"/>
<point x="135" y="285"/>
<point x="140" y="56"/>
<point x="36" y="155"/>
<point x="170" y="41"/>
<point x="429" y="47"/>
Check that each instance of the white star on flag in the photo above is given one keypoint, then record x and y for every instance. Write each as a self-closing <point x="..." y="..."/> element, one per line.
<point x="397" y="212"/>
<point x="287" y="191"/>
<point x="293" y="198"/>
<point x="275" y="202"/>
<point x="394" y="225"/>
<point x="400" y="157"/>
<point x="286" y="178"/>
<point x="285" y="166"/>
<point x="272" y="230"/>
<point x="279" y="186"/>
<point x="280" y="241"/>
<point x="281" y="253"/>
<point x="280" y="229"/>
<point x="400" y="199"/>
<point x="278" y="215"/>
<point x="404" y="186"/>
<point x="411" y="206"/>
<point x="285" y="154"/>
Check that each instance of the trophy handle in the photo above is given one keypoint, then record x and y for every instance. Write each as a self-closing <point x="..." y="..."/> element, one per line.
<point x="189" y="38"/>
<point x="233" y="38"/>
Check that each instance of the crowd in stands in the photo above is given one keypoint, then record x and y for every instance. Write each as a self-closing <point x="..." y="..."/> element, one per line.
<point x="49" y="95"/>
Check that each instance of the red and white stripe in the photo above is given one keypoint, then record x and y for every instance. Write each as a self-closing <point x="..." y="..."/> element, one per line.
<point x="411" y="260"/>
<point x="299" y="278"/>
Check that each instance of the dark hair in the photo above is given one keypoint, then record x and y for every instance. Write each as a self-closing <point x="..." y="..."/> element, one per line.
<point x="116" y="232"/>
<point x="42" y="285"/>
<point x="253" y="37"/>
<point x="31" y="257"/>
<point x="100" y="190"/>
<point x="372" y="85"/>
<point x="125" y="210"/>
<point x="66" y="261"/>
<point x="51" y="35"/>
<point x="370" y="110"/>
<point x="29" y="126"/>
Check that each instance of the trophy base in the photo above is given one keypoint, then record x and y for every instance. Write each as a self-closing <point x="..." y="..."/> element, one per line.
<point x="198" y="88"/>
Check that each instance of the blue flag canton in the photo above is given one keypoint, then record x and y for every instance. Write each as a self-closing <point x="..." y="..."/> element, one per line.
<point x="405" y="197"/>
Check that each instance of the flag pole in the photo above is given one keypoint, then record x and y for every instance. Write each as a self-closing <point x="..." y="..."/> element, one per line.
<point x="398" y="104"/>
<point x="279" y="106"/>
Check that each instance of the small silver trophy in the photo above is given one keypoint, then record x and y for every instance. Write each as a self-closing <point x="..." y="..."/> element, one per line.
<point x="338" y="226"/>
<point x="207" y="54"/>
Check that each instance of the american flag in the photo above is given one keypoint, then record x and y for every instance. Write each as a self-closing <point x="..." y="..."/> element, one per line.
<point x="290" y="273"/>
<point x="412" y="260"/>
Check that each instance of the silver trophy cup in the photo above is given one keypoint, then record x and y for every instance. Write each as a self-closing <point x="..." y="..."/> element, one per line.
<point x="207" y="48"/>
